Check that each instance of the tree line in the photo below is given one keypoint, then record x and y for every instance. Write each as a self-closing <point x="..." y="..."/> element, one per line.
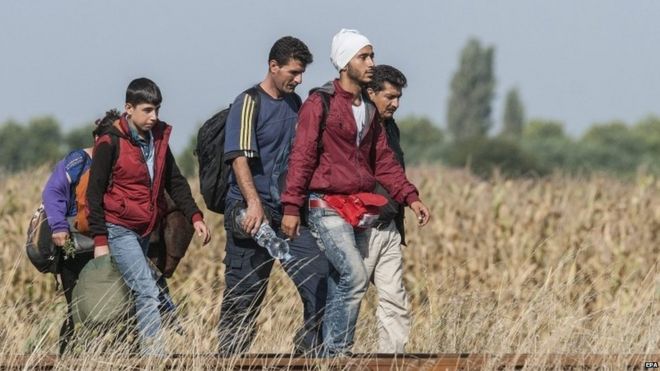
<point x="37" y="142"/>
<point x="522" y="147"/>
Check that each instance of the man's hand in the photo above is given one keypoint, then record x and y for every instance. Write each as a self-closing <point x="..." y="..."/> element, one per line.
<point x="254" y="217"/>
<point x="422" y="213"/>
<point x="59" y="238"/>
<point x="202" y="231"/>
<point x="101" y="250"/>
<point x="291" y="226"/>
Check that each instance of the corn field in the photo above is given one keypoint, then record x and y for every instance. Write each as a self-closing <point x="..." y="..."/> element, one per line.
<point x="538" y="265"/>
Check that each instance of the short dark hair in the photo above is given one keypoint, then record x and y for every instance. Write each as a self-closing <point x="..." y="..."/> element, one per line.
<point x="287" y="48"/>
<point x="102" y="125"/>
<point x="143" y="90"/>
<point x="383" y="73"/>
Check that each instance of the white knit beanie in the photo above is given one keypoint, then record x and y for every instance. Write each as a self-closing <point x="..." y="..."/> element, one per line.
<point x="345" y="44"/>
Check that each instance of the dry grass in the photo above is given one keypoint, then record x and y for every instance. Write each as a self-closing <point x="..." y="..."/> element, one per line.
<point x="553" y="265"/>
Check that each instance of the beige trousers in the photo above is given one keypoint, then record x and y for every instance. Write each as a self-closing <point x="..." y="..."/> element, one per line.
<point x="384" y="264"/>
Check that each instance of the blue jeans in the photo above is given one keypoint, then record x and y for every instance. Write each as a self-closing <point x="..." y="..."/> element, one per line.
<point x="348" y="282"/>
<point x="129" y="251"/>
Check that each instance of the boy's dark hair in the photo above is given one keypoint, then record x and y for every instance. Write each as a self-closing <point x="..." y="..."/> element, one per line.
<point x="143" y="90"/>
<point x="383" y="73"/>
<point x="102" y="125"/>
<point x="288" y="47"/>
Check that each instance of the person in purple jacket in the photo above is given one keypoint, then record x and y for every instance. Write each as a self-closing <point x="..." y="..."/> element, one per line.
<point x="59" y="200"/>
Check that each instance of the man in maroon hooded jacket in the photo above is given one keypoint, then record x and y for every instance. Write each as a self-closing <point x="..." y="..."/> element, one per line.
<point x="352" y="155"/>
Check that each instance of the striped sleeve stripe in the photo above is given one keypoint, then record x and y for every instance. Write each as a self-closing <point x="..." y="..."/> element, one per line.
<point x="246" y="122"/>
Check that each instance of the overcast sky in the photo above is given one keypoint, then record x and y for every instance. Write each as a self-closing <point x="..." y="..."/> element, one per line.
<point x="579" y="62"/>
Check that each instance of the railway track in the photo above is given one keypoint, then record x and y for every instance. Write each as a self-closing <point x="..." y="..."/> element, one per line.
<point x="412" y="361"/>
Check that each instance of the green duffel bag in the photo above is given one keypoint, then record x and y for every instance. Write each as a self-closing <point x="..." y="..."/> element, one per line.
<point x="100" y="295"/>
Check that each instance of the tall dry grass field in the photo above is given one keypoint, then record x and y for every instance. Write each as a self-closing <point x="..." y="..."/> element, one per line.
<point x="552" y="265"/>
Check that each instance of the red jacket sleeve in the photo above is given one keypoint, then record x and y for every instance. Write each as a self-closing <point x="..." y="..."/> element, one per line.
<point x="304" y="155"/>
<point x="390" y="173"/>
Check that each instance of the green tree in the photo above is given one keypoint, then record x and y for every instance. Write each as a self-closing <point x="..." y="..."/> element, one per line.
<point x="484" y="156"/>
<point x="539" y="129"/>
<point x="611" y="146"/>
<point x="24" y="146"/>
<point x="44" y="141"/>
<point x="514" y="116"/>
<point x="186" y="160"/>
<point x="472" y="89"/>
<point x="546" y="143"/>
<point x="421" y="140"/>
<point x="80" y="137"/>
<point x="12" y="136"/>
<point x="647" y="133"/>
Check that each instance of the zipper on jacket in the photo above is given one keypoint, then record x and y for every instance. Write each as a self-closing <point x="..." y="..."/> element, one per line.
<point x="151" y="181"/>
<point x="153" y="205"/>
<point x="358" y="157"/>
<point x="368" y="119"/>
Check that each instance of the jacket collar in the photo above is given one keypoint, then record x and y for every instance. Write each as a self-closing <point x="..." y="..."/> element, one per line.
<point x="337" y="90"/>
<point x="333" y="88"/>
<point x="122" y="129"/>
<point x="370" y="108"/>
<point x="340" y="91"/>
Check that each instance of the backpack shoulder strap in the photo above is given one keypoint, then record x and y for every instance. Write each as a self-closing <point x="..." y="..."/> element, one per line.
<point x="254" y="94"/>
<point x="298" y="100"/>
<point x="325" y="102"/>
<point x="75" y="171"/>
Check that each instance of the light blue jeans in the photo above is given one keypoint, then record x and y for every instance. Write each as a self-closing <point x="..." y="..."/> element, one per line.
<point x="348" y="282"/>
<point x="129" y="251"/>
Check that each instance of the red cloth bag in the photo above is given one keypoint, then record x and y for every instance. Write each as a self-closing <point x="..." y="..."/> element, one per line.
<point x="360" y="210"/>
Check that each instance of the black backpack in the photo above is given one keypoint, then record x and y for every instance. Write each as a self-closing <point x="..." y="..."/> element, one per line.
<point x="210" y="152"/>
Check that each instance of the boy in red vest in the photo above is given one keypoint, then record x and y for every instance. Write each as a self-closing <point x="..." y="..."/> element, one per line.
<point x="126" y="200"/>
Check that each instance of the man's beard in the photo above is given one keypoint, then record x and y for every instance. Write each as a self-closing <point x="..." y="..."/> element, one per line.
<point x="355" y="75"/>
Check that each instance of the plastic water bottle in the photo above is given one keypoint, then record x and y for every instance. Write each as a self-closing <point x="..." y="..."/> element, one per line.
<point x="267" y="238"/>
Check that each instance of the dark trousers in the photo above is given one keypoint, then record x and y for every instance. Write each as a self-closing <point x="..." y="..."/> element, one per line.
<point x="69" y="271"/>
<point x="247" y="269"/>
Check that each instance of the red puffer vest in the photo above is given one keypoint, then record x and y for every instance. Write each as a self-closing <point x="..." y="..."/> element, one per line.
<point x="132" y="200"/>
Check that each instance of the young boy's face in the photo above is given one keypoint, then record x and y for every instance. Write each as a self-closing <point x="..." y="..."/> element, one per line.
<point x="144" y="115"/>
